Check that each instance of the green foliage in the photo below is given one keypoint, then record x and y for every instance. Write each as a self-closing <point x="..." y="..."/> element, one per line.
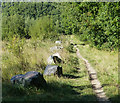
<point x="71" y="49"/>
<point x="73" y="61"/>
<point x="100" y="27"/>
<point x="19" y="16"/>
<point x="13" y="26"/>
<point x="27" y="9"/>
<point x="41" y="28"/>
<point x="94" y="22"/>
<point x="68" y="18"/>
<point x="15" y="45"/>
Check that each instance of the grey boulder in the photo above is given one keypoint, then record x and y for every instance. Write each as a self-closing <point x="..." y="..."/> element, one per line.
<point x="17" y="79"/>
<point x="34" y="78"/>
<point x="53" y="69"/>
<point x="31" y="78"/>
<point x="50" y="60"/>
<point x="55" y="58"/>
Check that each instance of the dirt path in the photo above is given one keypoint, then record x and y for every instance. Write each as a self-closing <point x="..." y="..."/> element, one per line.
<point x="94" y="81"/>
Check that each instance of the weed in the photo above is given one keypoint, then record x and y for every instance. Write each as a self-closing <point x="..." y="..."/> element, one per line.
<point x="71" y="49"/>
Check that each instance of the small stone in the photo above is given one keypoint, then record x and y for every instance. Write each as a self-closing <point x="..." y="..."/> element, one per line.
<point x="56" y="59"/>
<point x="53" y="48"/>
<point x="57" y="54"/>
<point x="58" y="42"/>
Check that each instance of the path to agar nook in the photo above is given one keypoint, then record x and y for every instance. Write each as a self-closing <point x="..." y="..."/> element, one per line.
<point x="97" y="88"/>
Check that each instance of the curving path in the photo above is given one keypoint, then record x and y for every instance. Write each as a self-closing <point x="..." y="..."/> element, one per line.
<point x="94" y="81"/>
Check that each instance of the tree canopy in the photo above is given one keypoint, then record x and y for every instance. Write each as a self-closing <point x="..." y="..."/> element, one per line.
<point x="94" y="22"/>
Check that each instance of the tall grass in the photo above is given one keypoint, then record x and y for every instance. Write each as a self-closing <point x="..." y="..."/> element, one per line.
<point x="74" y="85"/>
<point x="106" y="65"/>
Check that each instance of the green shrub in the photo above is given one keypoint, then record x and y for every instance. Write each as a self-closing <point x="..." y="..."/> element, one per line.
<point x="71" y="49"/>
<point x="13" y="26"/>
<point x="15" y="45"/>
<point x="42" y="28"/>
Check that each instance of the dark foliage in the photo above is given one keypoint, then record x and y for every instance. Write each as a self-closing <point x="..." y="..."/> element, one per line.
<point x="94" y="22"/>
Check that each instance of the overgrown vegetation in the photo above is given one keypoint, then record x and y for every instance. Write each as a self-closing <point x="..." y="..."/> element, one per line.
<point x="97" y="23"/>
<point x="30" y="29"/>
<point x="106" y="65"/>
<point x="74" y="85"/>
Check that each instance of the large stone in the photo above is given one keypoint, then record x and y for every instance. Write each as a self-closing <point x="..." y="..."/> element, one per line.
<point x="31" y="78"/>
<point x="53" y="69"/>
<point x="17" y="79"/>
<point x="34" y="78"/>
<point x="50" y="60"/>
<point x="55" y="58"/>
<point x="56" y="54"/>
<point x="59" y="47"/>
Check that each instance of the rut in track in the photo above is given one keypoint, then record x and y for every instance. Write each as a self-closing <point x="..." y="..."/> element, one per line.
<point x="100" y="94"/>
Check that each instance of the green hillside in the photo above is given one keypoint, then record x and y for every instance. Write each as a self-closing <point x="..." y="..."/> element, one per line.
<point x="30" y="29"/>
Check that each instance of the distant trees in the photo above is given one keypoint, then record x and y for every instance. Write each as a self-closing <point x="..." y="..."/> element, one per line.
<point x="18" y="18"/>
<point x="100" y="25"/>
<point x="41" y="28"/>
<point x="13" y="25"/>
<point x="94" y="22"/>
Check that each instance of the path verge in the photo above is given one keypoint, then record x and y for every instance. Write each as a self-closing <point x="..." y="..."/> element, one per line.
<point x="100" y="94"/>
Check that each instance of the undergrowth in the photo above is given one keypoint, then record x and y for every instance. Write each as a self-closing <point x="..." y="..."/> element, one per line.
<point x="73" y="85"/>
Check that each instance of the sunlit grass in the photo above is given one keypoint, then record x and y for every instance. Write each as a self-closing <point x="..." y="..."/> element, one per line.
<point x="106" y="65"/>
<point x="74" y="85"/>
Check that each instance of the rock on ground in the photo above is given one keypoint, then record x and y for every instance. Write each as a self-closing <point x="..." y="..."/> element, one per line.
<point x="58" y="42"/>
<point x="53" y="69"/>
<point x="57" y="54"/>
<point x="50" y="60"/>
<point x="31" y="78"/>
<point x="17" y="79"/>
<point x="55" y="58"/>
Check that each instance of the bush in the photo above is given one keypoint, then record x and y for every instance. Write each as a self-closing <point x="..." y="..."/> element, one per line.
<point x="13" y="26"/>
<point x="15" y="45"/>
<point x="42" y="28"/>
<point x="71" y="49"/>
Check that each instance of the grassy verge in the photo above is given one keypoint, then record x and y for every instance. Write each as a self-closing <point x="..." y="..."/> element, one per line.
<point x="73" y="86"/>
<point x="106" y="65"/>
